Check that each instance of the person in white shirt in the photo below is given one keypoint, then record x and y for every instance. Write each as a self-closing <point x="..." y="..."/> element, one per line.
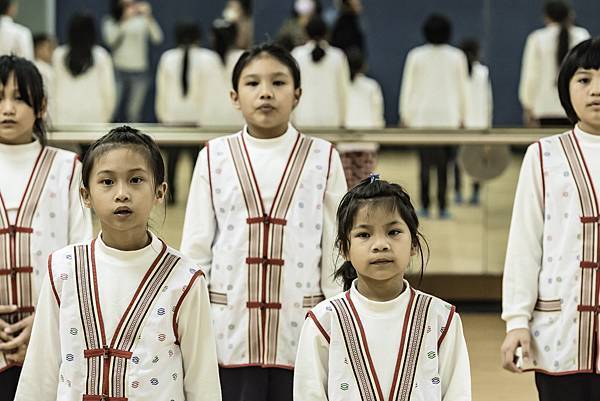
<point x="127" y="32"/>
<point x="326" y="75"/>
<point x="544" y="51"/>
<point x="381" y="339"/>
<point x="40" y="210"/>
<point x="14" y="38"/>
<point x="43" y="47"/>
<point x="123" y="316"/>
<point x="433" y="94"/>
<point x="84" y="83"/>
<point x="549" y="297"/>
<point x="184" y="89"/>
<point x="260" y="217"/>
<point x="239" y="12"/>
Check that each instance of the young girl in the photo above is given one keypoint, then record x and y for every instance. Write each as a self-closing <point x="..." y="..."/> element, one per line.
<point x="39" y="208"/>
<point x="260" y="217"/>
<point x="380" y="339"/>
<point x="123" y="316"/>
<point x="550" y="299"/>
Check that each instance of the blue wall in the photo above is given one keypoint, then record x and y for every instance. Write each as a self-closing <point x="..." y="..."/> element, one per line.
<point x="393" y="27"/>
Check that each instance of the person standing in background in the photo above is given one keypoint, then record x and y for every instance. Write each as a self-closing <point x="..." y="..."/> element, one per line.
<point x="43" y="50"/>
<point x="293" y="31"/>
<point x="347" y="32"/>
<point x="127" y="31"/>
<point x="14" y="38"/>
<point x="239" y="12"/>
<point x="544" y="51"/>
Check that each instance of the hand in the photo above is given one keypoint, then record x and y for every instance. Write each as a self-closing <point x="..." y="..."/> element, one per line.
<point x="3" y="324"/>
<point x="529" y="120"/>
<point x="23" y="328"/>
<point x="18" y="356"/>
<point x="515" y="338"/>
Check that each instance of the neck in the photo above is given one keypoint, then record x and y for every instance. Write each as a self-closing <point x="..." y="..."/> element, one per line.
<point x="380" y="291"/>
<point x="592" y="129"/>
<point x="22" y="140"/>
<point x="267" y="133"/>
<point x="127" y="241"/>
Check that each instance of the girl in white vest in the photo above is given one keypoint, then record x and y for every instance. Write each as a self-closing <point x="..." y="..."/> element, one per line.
<point x="124" y="316"/>
<point x="260" y="216"/>
<point x="550" y="300"/>
<point x="381" y="339"/>
<point x="39" y="209"/>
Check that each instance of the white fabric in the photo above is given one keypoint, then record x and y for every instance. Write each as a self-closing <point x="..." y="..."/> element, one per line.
<point x="47" y="72"/>
<point x="539" y="70"/>
<point x="171" y="106"/>
<point x="323" y="368"/>
<point x="365" y="104"/>
<point x="544" y="252"/>
<point x="87" y="98"/>
<point x="324" y="87"/>
<point x="131" y="40"/>
<point x="434" y="87"/>
<point x="52" y="338"/>
<point x="15" y="38"/>
<point x="479" y="98"/>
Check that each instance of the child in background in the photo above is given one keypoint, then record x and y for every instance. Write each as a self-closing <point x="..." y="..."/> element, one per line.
<point x="39" y="209"/>
<point x="381" y="339"/>
<point x="123" y="316"/>
<point x="260" y="216"/>
<point x="43" y="48"/>
<point x="550" y="299"/>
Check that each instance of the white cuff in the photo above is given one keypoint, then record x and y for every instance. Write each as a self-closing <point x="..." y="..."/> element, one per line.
<point x="517" y="322"/>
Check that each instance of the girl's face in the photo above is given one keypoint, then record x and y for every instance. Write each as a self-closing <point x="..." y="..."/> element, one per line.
<point x="122" y="192"/>
<point x="16" y="116"/>
<point x="266" y="96"/>
<point x="584" y="89"/>
<point x="380" y="247"/>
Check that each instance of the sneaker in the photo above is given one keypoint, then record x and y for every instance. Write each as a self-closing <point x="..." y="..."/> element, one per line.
<point x="458" y="198"/>
<point x="445" y="215"/>
<point x="424" y="213"/>
<point x="474" y="201"/>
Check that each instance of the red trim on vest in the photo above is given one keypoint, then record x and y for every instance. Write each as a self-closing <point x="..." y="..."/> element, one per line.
<point x="51" y="277"/>
<point x="312" y="316"/>
<point x="12" y="230"/>
<point x="103" y="397"/>
<point x="588" y="308"/>
<point x="589" y="265"/>
<point x="106" y="353"/>
<point x="402" y="341"/>
<point x="265" y="261"/>
<point x="199" y="273"/>
<point x="542" y="171"/>
<point x="589" y="219"/>
<point x="75" y="160"/>
<point x="266" y="220"/>
<point x="263" y="305"/>
<point x="448" y="323"/>
<point x="209" y="175"/>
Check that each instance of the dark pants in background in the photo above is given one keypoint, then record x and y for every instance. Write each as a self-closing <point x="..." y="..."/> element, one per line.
<point x="576" y="387"/>
<point x="173" y="154"/>
<point x="8" y="383"/>
<point x="438" y="157"/>
<point x="256" y="384"/>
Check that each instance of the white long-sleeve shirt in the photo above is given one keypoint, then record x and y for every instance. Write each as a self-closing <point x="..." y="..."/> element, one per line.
<point x="365" y="104"/>
<point x="15" y="38"/>
<point x="325" y="86"/>
<point x="16" y="164"/>
<point x="434" y="87"/>
<point x="87" y="98"/>
<point x="525" y="241"/>
<point x="382" y="323"/>
<point x="479" y="98"/>
<point x="171" y="106"/>
<point x="269" y="157"/>
<point x="39" y="378"/>
<point x="539" y="70"/>
<point x="129" y="41"/>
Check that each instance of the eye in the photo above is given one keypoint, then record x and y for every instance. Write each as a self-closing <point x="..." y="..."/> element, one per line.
<point x="136" y="180"/>
<point x="251" y="83"/>
<point x="583" y="80"/>
<point x="362" y="234"/>
<point x="106" y="181"/>
<point x="279" y="83"/>
<point x="395" y="232"/>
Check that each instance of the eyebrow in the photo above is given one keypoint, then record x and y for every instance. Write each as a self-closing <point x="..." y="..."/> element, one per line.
<point x="276" y="74"/>
<point x="133" y="170"/>
<point x="391" y="223"/>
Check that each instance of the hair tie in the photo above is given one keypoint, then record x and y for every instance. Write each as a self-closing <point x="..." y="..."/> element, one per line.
<point x="373" y="177"/>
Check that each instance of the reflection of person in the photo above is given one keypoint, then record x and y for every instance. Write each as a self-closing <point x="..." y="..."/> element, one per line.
<point x="549" y="298"/>
<point x="127" y="31"/>
<point x="123" y="316"/>
<point x="266" y="236"/>
<point x="433" y="95"/>
<point x="35" y="218"/>
<point x="14" y="38"/>
<point x="293" y="31"/>
<point x="380" y="336"/>
<point x="544" y="51"/>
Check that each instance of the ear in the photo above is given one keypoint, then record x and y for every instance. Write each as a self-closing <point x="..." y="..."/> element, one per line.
<point x="235" y="99"/>
<point x="85" y="197"/>
<point x="413" y="251"/>
<point x="161" y="192"/>
<point x="297" y="96"/>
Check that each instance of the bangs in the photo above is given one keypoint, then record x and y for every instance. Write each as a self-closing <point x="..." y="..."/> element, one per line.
<point x="28" y="79"/>
<point x="590" y="59"/>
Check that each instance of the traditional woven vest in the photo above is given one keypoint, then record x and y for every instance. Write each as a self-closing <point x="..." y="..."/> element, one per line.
<point x="142" y="361"/>
<point x="41" y="227"/>
<point x="564" y="323"/>
<point x="352" y="375"/>
<point x="265" y="272"/>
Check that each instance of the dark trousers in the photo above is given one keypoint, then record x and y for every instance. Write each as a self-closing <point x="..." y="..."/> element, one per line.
<point x="438" y="157"/>
<point x="256" y="384"/>
<point x="8" y="383"/>
<point x="173" y="154"/>
<point x="576" y="387"/>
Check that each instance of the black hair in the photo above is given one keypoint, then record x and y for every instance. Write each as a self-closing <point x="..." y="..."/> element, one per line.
<point x="585" y="55"/>
<point x="81" y="39"/>
<point x="316" y="29"/>
<point x="124" y="136"/>
<point x="437" y="29"/>
<point x="375" y="193"/>
<point x="116" y="10"/>
<point x="559" y="12"/>
<point x="187" y="34"/>
<point x="273" y="50"/>
<point x="356" y="61"/>
<point x="470" y="47"/>
<point x="224" y="34"/>
<point x="31" y="87"/>
<point x="40" y="38"/>
<point x="4" y="5"/>
<point x="246" y="6"/>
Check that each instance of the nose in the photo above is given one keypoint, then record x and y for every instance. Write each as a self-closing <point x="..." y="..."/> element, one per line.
<point x="266" y="91"/>
<point x="595" y="86"/>
<point x="380" y="243"/>
<point x="122" y="194"/>
<point x="7" y="107"/>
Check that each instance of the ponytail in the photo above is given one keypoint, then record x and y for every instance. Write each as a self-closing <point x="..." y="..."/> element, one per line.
<point x="184" y="71"/>
<point x="318" y="53"/>
<point x="558" y="11"/>
<point x="347" y="273"/>
<point x="563" y="43"/>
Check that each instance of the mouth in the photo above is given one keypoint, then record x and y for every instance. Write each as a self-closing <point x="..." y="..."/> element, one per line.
<point x="8" y="122"/>
<point x="381" y="261"/>
<point x="122" y="211"/>
<point x="266" y="108"/>
<point x="595" y="103"/>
